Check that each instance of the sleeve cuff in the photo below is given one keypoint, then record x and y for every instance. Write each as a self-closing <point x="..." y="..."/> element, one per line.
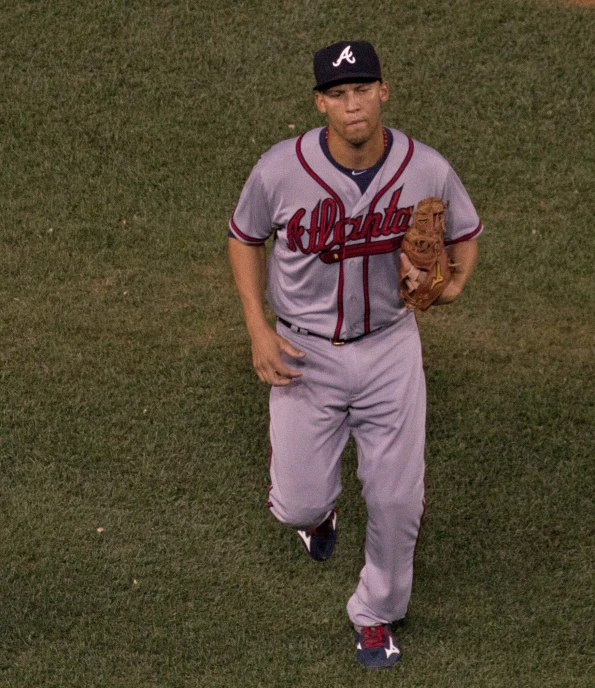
<point x="466" y="237"/>
<point x="236" y="233"/>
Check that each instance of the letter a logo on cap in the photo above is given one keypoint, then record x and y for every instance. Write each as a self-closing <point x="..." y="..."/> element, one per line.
<point x="345" y="55"/>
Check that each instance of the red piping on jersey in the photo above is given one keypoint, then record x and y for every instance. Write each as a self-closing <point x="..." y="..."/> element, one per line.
<point x="366" y="295"/>
<point x="375" y="200"/>
<point x="340" y="301"/>
<point x="339" y="202"/>
<point x="398" y="173"/>
<point x="245" y="237"/>
<point x="310" y="171"/>
<point x="466" y="237"/>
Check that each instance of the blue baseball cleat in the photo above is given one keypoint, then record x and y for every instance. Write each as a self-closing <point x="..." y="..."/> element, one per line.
<point x="320" y="541"/>
<point x="376" y="647"/>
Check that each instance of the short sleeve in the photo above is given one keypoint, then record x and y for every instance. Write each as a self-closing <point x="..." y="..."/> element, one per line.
<point x="251" y="220"/>
<point x="462" y="220"/>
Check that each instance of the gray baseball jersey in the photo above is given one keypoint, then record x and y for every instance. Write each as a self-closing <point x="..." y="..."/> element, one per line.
<point x="334" y="272"/>
<point x="334" y="265"/>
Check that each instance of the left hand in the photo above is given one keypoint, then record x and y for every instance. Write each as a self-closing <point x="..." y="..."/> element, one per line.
<point x="451" y="292"/>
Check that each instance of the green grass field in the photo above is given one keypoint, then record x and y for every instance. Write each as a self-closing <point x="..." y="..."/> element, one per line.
<point x="135" y="546"/>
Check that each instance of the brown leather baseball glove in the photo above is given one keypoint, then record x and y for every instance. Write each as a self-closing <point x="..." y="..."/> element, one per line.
<point x="423" y="244"/>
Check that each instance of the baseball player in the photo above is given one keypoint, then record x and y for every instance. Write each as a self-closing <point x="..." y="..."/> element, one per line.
<point x="345" y="358"/>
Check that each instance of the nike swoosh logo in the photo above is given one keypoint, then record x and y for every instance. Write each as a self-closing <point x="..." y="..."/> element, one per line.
<point x="355" y="173"/>
<point x="305" y="538"/>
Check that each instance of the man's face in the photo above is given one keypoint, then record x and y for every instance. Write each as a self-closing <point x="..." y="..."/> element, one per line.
<point x="353" y="110"/>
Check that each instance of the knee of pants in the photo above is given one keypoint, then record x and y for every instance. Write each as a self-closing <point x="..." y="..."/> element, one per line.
<point x="411" y="506"/>
<point x="299" y="515"/>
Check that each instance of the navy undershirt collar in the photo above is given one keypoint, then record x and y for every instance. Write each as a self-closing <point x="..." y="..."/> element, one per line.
<point x="362" y="178"/>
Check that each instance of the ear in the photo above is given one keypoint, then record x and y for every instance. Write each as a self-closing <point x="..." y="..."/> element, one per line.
<point x="320" y="102"/>
<point x="384" y="91"/>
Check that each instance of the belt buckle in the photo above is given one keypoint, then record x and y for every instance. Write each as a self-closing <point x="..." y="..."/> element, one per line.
<point x="337" y="342"/>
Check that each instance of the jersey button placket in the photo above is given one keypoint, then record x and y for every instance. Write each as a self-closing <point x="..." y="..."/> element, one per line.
<point x="354" y="307"/>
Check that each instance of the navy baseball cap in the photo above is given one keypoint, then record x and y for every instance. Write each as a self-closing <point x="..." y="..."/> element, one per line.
<point x="344" y="62"/>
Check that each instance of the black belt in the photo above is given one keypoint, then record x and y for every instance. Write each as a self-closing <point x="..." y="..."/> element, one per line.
<point x="332" y="340"/>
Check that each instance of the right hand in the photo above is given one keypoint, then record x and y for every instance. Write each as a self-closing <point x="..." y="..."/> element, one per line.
<point x="267" y="346"/>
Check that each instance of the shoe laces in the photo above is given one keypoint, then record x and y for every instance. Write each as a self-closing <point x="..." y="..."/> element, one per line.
<point x="373" y="636"/>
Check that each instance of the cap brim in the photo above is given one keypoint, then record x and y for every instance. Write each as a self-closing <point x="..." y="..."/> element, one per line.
<point x="351" y="79"/>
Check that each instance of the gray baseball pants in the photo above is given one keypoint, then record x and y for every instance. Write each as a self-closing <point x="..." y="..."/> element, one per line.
<point x="374" y="389"/>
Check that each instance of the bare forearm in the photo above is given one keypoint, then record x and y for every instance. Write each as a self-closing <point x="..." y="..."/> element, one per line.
<point x="463" y="257"/>
<point x="248" y="264"/>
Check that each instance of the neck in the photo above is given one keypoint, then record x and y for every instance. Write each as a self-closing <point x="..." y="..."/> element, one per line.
<point x="357" y="156"/>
